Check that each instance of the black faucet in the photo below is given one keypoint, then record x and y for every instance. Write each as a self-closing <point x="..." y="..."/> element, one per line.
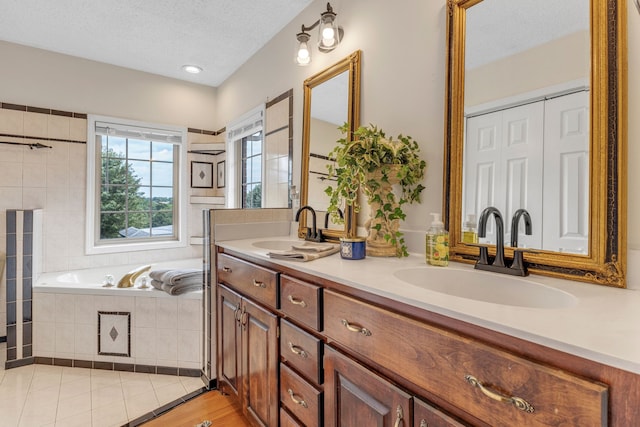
<point x="326" y="217"/>
<point x="482" y="232"/>
<point x="515" y="221"/>
<point x="313" y="234"/>
<point x="518" y="266"/>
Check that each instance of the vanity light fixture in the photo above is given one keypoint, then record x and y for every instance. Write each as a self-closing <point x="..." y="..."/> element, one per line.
<point x="192" y="69"/>
<point x="329" y="36"/>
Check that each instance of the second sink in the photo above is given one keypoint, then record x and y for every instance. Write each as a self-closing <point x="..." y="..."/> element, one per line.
<point x="486" y="287"/>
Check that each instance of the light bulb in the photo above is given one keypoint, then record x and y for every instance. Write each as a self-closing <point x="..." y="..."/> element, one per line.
<point x="328" y="34"/>
<point x="304" y="56"/>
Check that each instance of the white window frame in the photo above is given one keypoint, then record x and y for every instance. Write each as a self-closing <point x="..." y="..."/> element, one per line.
<point x="92" y="238"/>
<point x="245" y="125"/>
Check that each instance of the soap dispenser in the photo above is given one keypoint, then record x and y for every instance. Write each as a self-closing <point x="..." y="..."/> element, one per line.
<point x="470" y="230"/>
<point x="437" y="243"/>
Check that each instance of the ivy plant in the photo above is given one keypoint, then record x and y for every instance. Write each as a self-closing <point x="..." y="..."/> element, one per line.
<point x="370" y="161"/>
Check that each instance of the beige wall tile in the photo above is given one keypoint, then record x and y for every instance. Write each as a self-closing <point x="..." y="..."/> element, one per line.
<point x="12" y="153"/>
<point x="58" y="127"/>
<point x="37" y="155"/>
<point x="58" y="153"/>
<point x="78" y="129"/>
<point x="11" y="174"/>
<point x="34" y="198"/>
<point x="277" y="115"/>
<point x="11" y="122"/>
<point x="57" y="175"/>
<point x="10" y="198"/>
<point x="35" y="124"/>
<point x="33" y="175"/>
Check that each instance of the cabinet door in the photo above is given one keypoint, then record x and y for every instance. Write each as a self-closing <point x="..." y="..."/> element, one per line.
<point x="229" y="342"/>
<point x="260" y="364"/>
<point x="357" y="397"/>
<point x="425" y="415"/>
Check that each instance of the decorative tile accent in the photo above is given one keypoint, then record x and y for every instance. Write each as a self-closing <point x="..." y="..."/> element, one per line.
<point x="114" y="333"/>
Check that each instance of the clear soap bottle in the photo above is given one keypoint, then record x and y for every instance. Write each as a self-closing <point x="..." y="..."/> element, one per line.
<point x="437" y="243"/>
<point x="469" y="230"/>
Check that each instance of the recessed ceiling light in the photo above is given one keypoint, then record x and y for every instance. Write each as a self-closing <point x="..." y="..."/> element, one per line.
<point x="193" y="69"/>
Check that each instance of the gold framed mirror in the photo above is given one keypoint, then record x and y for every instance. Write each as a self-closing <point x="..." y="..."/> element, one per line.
<point x="331" y="98"/>
<point x="601" y="259"/>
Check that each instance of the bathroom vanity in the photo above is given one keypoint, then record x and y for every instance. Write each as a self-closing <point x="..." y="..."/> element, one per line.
<point x="342" y="343"/>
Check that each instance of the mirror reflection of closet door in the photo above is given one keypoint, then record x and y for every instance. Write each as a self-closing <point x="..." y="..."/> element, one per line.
<point x="566" y="177"/>
<point x="503" y="164"/>
<point x="533" y="156"/>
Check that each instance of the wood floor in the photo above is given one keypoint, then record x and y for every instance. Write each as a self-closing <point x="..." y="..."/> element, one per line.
<point x="221" y="410"/>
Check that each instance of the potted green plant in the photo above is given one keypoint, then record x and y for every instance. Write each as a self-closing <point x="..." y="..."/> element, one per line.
<point x="372" y="162"/>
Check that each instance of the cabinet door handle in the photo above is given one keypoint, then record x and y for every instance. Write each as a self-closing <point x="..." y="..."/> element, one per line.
<point x="245" y="317"/>
<point x="297" y="350"/>
<point x="399" y="417"/>
<point x="296" y="399"/>
<point x="423" y="423"/>
<point x="299" y="302"/>
<point x="226" y="269"/>
<point x="258" y="284"/>
<point x="237" y="313"/>
<point x="518" y="402"/>
<point x="354" y="328"/>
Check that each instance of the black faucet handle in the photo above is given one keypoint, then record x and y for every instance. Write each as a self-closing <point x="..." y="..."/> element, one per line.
<point x="519" y="265"/>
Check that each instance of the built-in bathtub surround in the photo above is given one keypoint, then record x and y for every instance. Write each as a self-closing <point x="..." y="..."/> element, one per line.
<point x="79" y="322"/>
<point x="24" y="255"/>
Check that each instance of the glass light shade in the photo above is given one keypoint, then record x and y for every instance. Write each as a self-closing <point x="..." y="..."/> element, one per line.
<point x="303" y="54"/>
<point x="328" y="33"/>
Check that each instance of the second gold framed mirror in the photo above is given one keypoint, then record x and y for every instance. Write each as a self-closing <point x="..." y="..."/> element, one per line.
<point x="600" y="254"/>
<point x="331" y="98"/>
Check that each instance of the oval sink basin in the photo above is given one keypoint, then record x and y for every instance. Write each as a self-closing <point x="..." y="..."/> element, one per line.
<point x="486" y="287"/>
<point x="275" y="245"/>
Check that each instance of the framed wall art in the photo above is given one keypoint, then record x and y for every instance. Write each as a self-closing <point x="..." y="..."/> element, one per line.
<point x="201" y="175"/>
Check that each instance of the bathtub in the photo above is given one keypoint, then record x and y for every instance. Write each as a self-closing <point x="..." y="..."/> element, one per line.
<point x="78" y="322"/>
<point x="91" y="281"/>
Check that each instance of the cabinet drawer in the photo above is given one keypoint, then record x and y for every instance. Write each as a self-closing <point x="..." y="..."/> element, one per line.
<point x="286" y="420"/>
<point x="301" y="301"/>
<point x="302" y="351"/>
<point x="300" y="398"/>
<point x="483" y="381"/>
<point x="425" y="415"/>
<point x="259" y="283"/>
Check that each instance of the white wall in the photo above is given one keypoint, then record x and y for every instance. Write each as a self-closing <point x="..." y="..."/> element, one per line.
<point x="46" y="79"/>
<point x="403" y="80"/>
<point x="403" y="45"/>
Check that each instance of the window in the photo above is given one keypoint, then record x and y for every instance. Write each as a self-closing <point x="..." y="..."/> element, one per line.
<point x="135" y="193"/>
<point x="252" y="170"/>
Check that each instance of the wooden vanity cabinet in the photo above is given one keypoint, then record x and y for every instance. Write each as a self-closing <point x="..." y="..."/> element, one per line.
<point x="357" y="359"/>
<point x="494" y="386"/>
<point x="301" y="352"/>
<point x="355" y="396"/>
<point x="248" y="338"/>
<point x="425" y="415"/>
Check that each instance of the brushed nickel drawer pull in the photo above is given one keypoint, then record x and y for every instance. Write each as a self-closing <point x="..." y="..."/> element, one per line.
<point x="227" y="269"/>
<point x="299" y="302"/>
<point x="518" y="402"/>
<point x="352" y="328"/>
<point x="399" y="417"/>
<point x="297" y="350"/>
<point x="258" y="284"/>
<point x="297" y="400"/>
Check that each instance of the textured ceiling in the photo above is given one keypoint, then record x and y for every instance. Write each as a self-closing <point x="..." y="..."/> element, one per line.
<point x="156" y="36"/>
<point x="500" y="28"/>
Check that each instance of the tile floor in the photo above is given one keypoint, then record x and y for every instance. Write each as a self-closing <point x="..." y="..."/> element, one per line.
<point x="53" y="396"/>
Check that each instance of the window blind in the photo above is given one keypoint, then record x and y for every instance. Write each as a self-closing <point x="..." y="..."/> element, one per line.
<point x="138" y="132"/>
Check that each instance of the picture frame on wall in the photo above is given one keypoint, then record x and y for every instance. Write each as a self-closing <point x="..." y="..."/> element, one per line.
<point x="220" y="174"/>
<point x="201" y="174"/>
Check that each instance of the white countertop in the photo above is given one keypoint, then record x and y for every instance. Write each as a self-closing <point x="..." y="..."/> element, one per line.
<point x="602" y="325"/>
